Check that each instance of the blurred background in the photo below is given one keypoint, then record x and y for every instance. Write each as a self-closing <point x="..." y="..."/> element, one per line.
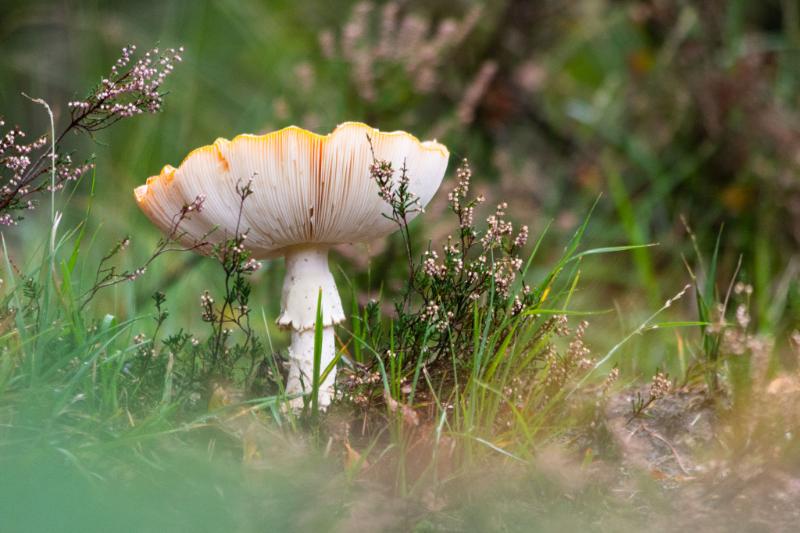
<point x="667" y="110"/>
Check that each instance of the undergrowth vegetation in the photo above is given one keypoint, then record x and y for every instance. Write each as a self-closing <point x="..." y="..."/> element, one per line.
<point x="492" y="360"/>
<point x="472" y="351"/>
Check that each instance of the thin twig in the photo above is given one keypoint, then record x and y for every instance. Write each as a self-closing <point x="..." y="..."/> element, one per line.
<point x="671" y="447"/>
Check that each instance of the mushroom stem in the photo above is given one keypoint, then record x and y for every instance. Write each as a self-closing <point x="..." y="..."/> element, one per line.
<point x="301" y="369"/>
<point x="307" y="274"/>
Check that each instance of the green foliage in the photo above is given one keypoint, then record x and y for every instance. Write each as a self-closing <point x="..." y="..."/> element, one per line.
<point x="675" y="109"/>
<point x="475" y="354"/>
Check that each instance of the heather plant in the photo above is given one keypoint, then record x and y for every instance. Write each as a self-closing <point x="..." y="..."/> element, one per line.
<point x="108" y="274"/>
<point x="390" y="47"/>
<point x="474" y="352"/>
<point x="48" y="343"/>
<point x="231" y="360"/>
<point x="133" y="87"/>
<point x="659" y="388"/>
<point x="472" y="266"/>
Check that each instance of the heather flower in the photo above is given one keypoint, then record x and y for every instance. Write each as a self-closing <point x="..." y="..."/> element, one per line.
<point x="431" y="311"/>
<point x="136" y="274"/>
<point x="742" y="288"/>
<point x="196" y="205"/>
<point x="560" y="324"/>
<point x="660" y="386"/>
<point x="207" y="307"/>
<point x="555" y="371"/>
<point x="742" y="316"/>
<point x="522" y="237"/>
<point x="611" y="378"/>
<point x="517" y="306"/>
<point x="394" y="189"/>
<point x="132" y="88"/>
<point x="578" y="352"/>
<point x="251" y="265"/>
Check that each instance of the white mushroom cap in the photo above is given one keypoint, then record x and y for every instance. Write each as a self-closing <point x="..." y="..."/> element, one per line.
<point x="308" y="188"/>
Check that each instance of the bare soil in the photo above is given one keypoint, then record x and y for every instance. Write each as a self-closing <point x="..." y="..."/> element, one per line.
<point x="676" y="444"/>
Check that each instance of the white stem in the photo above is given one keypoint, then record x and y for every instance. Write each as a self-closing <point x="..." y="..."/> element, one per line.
<point x="301" y="371"/>
<point x="307" y="274"/>
<point x="54" y="219"/>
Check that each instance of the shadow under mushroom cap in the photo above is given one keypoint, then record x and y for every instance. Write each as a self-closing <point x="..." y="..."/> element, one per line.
<point x="308" y="188"/>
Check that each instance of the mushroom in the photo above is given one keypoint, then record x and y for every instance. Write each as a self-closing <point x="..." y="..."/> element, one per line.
<point x="310" y="192"/>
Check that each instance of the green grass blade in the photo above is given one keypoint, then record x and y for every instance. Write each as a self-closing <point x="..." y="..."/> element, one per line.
<point x="611" y="249"/>
<point x="317" y="359"/>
